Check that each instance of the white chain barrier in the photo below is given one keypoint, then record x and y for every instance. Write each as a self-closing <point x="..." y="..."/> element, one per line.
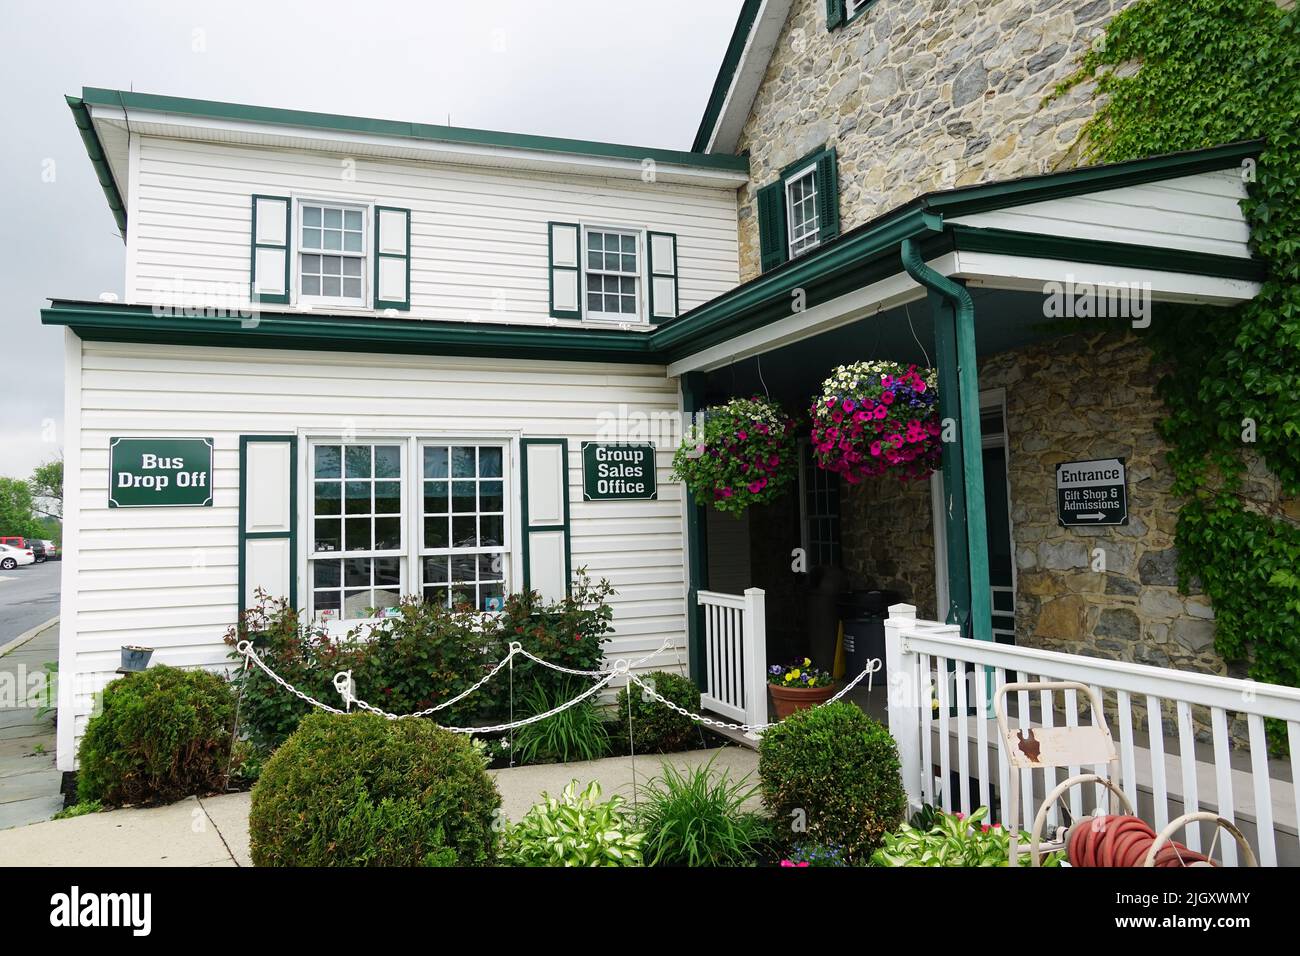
<point x="344" y="685"/>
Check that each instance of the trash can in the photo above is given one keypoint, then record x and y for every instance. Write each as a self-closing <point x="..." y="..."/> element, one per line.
<point x="864" y="614"/>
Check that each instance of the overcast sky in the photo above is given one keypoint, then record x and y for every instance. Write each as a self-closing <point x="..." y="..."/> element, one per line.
<point x="624" y="73"/>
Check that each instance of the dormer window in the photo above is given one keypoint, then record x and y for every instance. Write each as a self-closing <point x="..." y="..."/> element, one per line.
<point x="332" y="253"/>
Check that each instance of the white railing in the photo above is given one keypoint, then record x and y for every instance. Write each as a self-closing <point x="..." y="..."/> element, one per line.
<point x="735" y="655"/>
<point x="951" y="757"/>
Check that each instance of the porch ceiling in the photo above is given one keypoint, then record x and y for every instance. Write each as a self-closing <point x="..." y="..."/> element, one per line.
<point x="1169" y="225"/>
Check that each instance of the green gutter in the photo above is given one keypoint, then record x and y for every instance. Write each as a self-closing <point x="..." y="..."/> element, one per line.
<point x="424" y="132"/>
<point x="972" y="455"/>
<point x="726" y="73"/>
<point x="98" y="321"/>
<point x="95" y="149"/>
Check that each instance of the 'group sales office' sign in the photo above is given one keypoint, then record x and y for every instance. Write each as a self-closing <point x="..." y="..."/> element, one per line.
<point x="160" y="473"/>
<point x="618" y="472"/>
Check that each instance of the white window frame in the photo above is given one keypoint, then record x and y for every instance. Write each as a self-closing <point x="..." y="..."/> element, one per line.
<point x="808" y="172"/>
<point x="366" y="209"/>
<point x="853" y="7"/>
<point x="412" y="550"/>
<point x="422" y="550"/>
<point x="635" y="318"/>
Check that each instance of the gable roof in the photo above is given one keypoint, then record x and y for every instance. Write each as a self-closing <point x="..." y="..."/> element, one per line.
<point x="743" y="65"/>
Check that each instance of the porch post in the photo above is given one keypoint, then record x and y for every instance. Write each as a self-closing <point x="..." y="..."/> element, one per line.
<point x="963" y="464"/>
<point x="697" y="563"/>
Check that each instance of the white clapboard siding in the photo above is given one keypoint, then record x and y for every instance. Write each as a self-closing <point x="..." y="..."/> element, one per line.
<point x="478" y="234"/>
<point x="168" y="578"/>
<point x="1199" y="213"/>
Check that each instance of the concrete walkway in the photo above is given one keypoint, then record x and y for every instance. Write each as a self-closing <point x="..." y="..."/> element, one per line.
<point x="29" y="782"/>
<point x="213" y="831"/>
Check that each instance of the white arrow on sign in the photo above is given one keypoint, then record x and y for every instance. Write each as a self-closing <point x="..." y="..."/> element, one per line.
<point x="1098" y="515"/>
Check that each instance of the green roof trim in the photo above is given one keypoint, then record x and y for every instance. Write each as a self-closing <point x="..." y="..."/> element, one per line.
<point x="727" y="72"/>
<point x="116" y="322"/>
<point x="425" y="132"/>
<point x="95" y="150"/>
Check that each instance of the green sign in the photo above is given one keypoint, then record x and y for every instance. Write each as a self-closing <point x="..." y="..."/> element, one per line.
<point x="619" y="472"/>
<point x="160" y="473"/>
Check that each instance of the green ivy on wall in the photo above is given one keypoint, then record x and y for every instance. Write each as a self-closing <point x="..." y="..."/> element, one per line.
<point x="1184" y="74"/>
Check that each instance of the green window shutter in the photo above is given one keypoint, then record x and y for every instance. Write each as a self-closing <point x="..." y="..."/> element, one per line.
<point x="392" y="258"/>
<point x="663" y="275"/>
<point x="268" y="518"/>
<point x="563" y="244"/>
<point x="835" y="13"/>
<point x="545" y="473"/>
<point x="828" y="196"/>
<point x="773" y="242"/>
<point x="268" y="249"/>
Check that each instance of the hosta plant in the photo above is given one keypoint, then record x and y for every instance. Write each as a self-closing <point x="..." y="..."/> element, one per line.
<point x="878" y="418"/>
<point x="576" y="829"/>
<point x="952" y="840"/>
<point x="743" y="455"/>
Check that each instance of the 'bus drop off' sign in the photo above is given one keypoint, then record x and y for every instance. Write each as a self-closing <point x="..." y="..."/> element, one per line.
<point x="160" y="473"/>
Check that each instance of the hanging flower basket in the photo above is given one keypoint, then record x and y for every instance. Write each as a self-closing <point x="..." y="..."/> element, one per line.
<point x="745" y="456"/>
<point x="878" y="418"/>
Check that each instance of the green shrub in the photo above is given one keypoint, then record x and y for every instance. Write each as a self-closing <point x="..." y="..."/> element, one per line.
<point x="577" y="733"/>
<point x="696" y="818"/>
<point x="361" y="790"/>
<point x="836" y="768"/>
<point x="656" y="728"/>
<point x="575" y="830"/>
<point x="163" y="734"/>
<point x="953" y="840"/>
<point x="425" y="655"/>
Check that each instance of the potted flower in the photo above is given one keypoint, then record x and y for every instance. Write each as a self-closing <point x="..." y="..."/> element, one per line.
<point x="743" y="455"/>
<point x="798" y="686"/>
<point x="878" y="418"/>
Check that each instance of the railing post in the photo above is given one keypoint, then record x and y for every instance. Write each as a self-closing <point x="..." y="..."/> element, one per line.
<point x="755" y="661"/>
<point x="905" y="715"/>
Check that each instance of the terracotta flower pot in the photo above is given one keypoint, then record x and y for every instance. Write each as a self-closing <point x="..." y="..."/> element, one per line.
<point x="787" y="700"/>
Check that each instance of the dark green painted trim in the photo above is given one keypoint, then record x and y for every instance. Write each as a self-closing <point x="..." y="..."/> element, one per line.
<point x="835" y="13"/>
<point x="524" y="445"/>
<point x="254" y="245"/>
<point x="697" y="546"/>
<point x="650" y="263"/>
<point x="722" y="83"/>
<point x="962" y="309"/>
<point x="402" y="304"/>
<point x="291" y="534"/>
<point x="95" y="150"/>
<point x="954" y="488"/>
<point x="552" y="268"/>
<point x="1072" y="248"/>
<point x="115" y="322"/>
<point x="239" y="112"/>
<point x="857" y="13"/>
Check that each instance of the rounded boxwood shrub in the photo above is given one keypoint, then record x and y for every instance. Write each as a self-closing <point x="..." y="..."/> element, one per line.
<point x="163" y="734"/>
<point x="836" y="768"/>
<point x="362" y="790"/>
<point x="656" y="728"/>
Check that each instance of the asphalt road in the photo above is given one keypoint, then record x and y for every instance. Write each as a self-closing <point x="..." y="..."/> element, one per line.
<point x="28" y="596"/>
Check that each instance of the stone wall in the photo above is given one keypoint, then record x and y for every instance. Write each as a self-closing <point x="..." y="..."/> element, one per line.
<point x="919" y="95"/>
<point x="887" y="536"/>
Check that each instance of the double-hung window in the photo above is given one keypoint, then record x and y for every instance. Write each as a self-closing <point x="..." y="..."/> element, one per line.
<point x="612" y="274"/>
<point x="463" y="552"/>
<point x="357" y="529"/>
<point x="798" y="211"/>
<point x="801" y="205"/>
<point x="332" y="251"/>
<point x="399" y="516"/>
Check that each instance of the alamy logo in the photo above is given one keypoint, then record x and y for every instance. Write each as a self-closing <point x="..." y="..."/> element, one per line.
<point x="74" y="908"/>
<point x="1098" y="300"/>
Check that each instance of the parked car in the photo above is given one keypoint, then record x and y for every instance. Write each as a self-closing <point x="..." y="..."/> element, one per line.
<point x="38" y="550"/>
<point x="51" y="550"/>
<point x="14" y="541"/>
<point x="11" y="557"/>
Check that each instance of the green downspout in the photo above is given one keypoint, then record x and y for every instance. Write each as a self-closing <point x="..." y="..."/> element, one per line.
<point x="981" y="597"/>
